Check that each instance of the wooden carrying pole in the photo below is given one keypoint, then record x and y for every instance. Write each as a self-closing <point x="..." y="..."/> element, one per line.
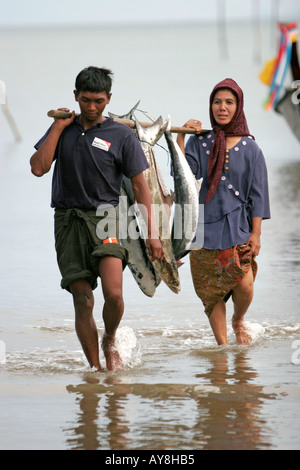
<point x="178" y="130"/>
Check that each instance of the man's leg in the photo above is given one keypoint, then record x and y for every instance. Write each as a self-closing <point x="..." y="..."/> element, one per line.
<point x="111" y="273"/>
<point x="85" y="326"/>
<point x="217" y="320"/>
<point x="242" y="297"/>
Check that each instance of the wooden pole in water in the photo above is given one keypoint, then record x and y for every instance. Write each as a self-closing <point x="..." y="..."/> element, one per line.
<point x="274" y="20"/>
<point x="222" y="33"/>
<point x="11" y="121"/>
<point x="6" y="111"/>
<point x="128" y="122"/>
<point x="256" y="31"/>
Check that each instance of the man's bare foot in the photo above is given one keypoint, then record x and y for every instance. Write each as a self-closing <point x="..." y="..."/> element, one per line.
<point x="242" y="334"/>
<point x="112" y="357"/>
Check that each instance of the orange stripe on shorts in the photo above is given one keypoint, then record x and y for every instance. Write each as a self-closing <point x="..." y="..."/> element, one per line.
<point x="110" y="240"/>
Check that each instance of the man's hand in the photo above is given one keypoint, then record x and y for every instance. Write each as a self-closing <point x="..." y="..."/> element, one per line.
<point x="42" y="159"/>
<point x="63" y="123"/>
<point x="143" y="197"/>
<point x="155" y="249"/>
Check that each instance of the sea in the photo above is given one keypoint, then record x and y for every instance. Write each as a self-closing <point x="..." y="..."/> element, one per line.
<point x="178" y="391"/>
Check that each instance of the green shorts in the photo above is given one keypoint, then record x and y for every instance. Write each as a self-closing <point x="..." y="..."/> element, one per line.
<point x="81" y="239"/>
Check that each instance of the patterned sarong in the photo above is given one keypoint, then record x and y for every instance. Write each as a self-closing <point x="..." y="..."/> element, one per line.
<point x="216" y="272"/>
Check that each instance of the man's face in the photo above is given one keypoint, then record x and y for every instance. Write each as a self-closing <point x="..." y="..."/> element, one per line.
<point x="92" y="104"/>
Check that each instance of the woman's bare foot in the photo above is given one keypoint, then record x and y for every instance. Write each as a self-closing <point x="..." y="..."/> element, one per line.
<point x="112" y="357"/>
<point x="242" y="334"/>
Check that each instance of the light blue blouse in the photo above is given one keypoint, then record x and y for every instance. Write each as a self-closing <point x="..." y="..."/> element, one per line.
<point x="241" y="195"/>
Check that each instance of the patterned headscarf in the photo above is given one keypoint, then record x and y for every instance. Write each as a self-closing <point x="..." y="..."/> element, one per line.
<point x="237" y="126"/>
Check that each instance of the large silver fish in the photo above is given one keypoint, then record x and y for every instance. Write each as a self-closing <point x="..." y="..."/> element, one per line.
<point x="186" y="188"/>
<point x="167" y="267"/>
<point x="138" y="261"/>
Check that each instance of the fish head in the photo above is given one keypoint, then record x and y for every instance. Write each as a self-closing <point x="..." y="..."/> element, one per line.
<point x="151" y="134"/>
<point x="128" y="115"/>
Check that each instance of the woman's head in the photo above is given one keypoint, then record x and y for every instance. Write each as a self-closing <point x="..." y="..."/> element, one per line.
<point x="227" y="107"/>
<point x="224" y="105"/>
<point x="227" y="119"/>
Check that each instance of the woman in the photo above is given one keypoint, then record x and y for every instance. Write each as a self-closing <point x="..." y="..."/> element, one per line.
<point x="235" y="196"/>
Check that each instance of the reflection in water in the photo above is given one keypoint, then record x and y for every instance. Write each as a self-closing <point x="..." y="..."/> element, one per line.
<point x="222" y="411"/>
<point x="290" y="204"/>
<point x="232" y="415"/>
<point x="290" y="182"/>
<point x="101" y="421"/>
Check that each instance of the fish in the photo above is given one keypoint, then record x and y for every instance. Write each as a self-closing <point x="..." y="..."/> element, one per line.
<point x="128" y="115"/>
<point x="166" y="268"/>
<point x="139" y="263"/>
<point x="186" y="189"/>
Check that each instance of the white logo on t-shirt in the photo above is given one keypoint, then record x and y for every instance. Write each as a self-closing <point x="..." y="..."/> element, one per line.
<point x="101" y="144"/>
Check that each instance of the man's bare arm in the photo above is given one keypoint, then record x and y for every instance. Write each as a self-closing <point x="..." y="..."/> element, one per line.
<point x="42" y="159"/>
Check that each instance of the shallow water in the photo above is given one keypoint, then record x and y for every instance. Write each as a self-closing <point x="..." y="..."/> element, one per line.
<point x="178" y="390"/>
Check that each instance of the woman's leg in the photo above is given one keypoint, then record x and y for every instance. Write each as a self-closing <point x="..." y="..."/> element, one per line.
<point x="217" y="320"/>
<point x="242" y="297"/>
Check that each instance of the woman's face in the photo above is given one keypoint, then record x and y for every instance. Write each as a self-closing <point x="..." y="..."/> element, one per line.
<point x="224" y="106"/>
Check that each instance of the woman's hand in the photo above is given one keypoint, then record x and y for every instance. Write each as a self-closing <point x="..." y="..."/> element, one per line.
<point x="254" y="244"/>
<point x="254" y="239"/>
<point x="192" y="124"/>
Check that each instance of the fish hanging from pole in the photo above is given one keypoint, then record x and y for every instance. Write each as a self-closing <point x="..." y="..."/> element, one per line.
<point x="138" y="261"/>
<point x="166" y="268"/>
<point x="186" y="210"/>
<point x="146" y="273"/>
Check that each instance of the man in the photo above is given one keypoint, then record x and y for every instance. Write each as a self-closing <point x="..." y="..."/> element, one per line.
<point x="91" y="154"/>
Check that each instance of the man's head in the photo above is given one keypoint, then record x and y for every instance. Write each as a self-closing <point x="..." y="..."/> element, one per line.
<point x="92" y="93"/>
<point x="94" y="79"/>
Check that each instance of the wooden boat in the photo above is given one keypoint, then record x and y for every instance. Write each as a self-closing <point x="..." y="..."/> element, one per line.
<point x="290" y="111"/>
<point x="289" y="105"/>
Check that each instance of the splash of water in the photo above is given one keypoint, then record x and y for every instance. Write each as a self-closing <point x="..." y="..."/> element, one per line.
<point x="255" y="330"/>
<point x="128" y="346"/>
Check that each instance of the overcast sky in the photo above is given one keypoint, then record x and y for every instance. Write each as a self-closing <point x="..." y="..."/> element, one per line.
<point x="74" y="12"/>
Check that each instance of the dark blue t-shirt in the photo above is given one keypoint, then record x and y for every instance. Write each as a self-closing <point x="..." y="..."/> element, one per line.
<point x="90" y="164"/>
